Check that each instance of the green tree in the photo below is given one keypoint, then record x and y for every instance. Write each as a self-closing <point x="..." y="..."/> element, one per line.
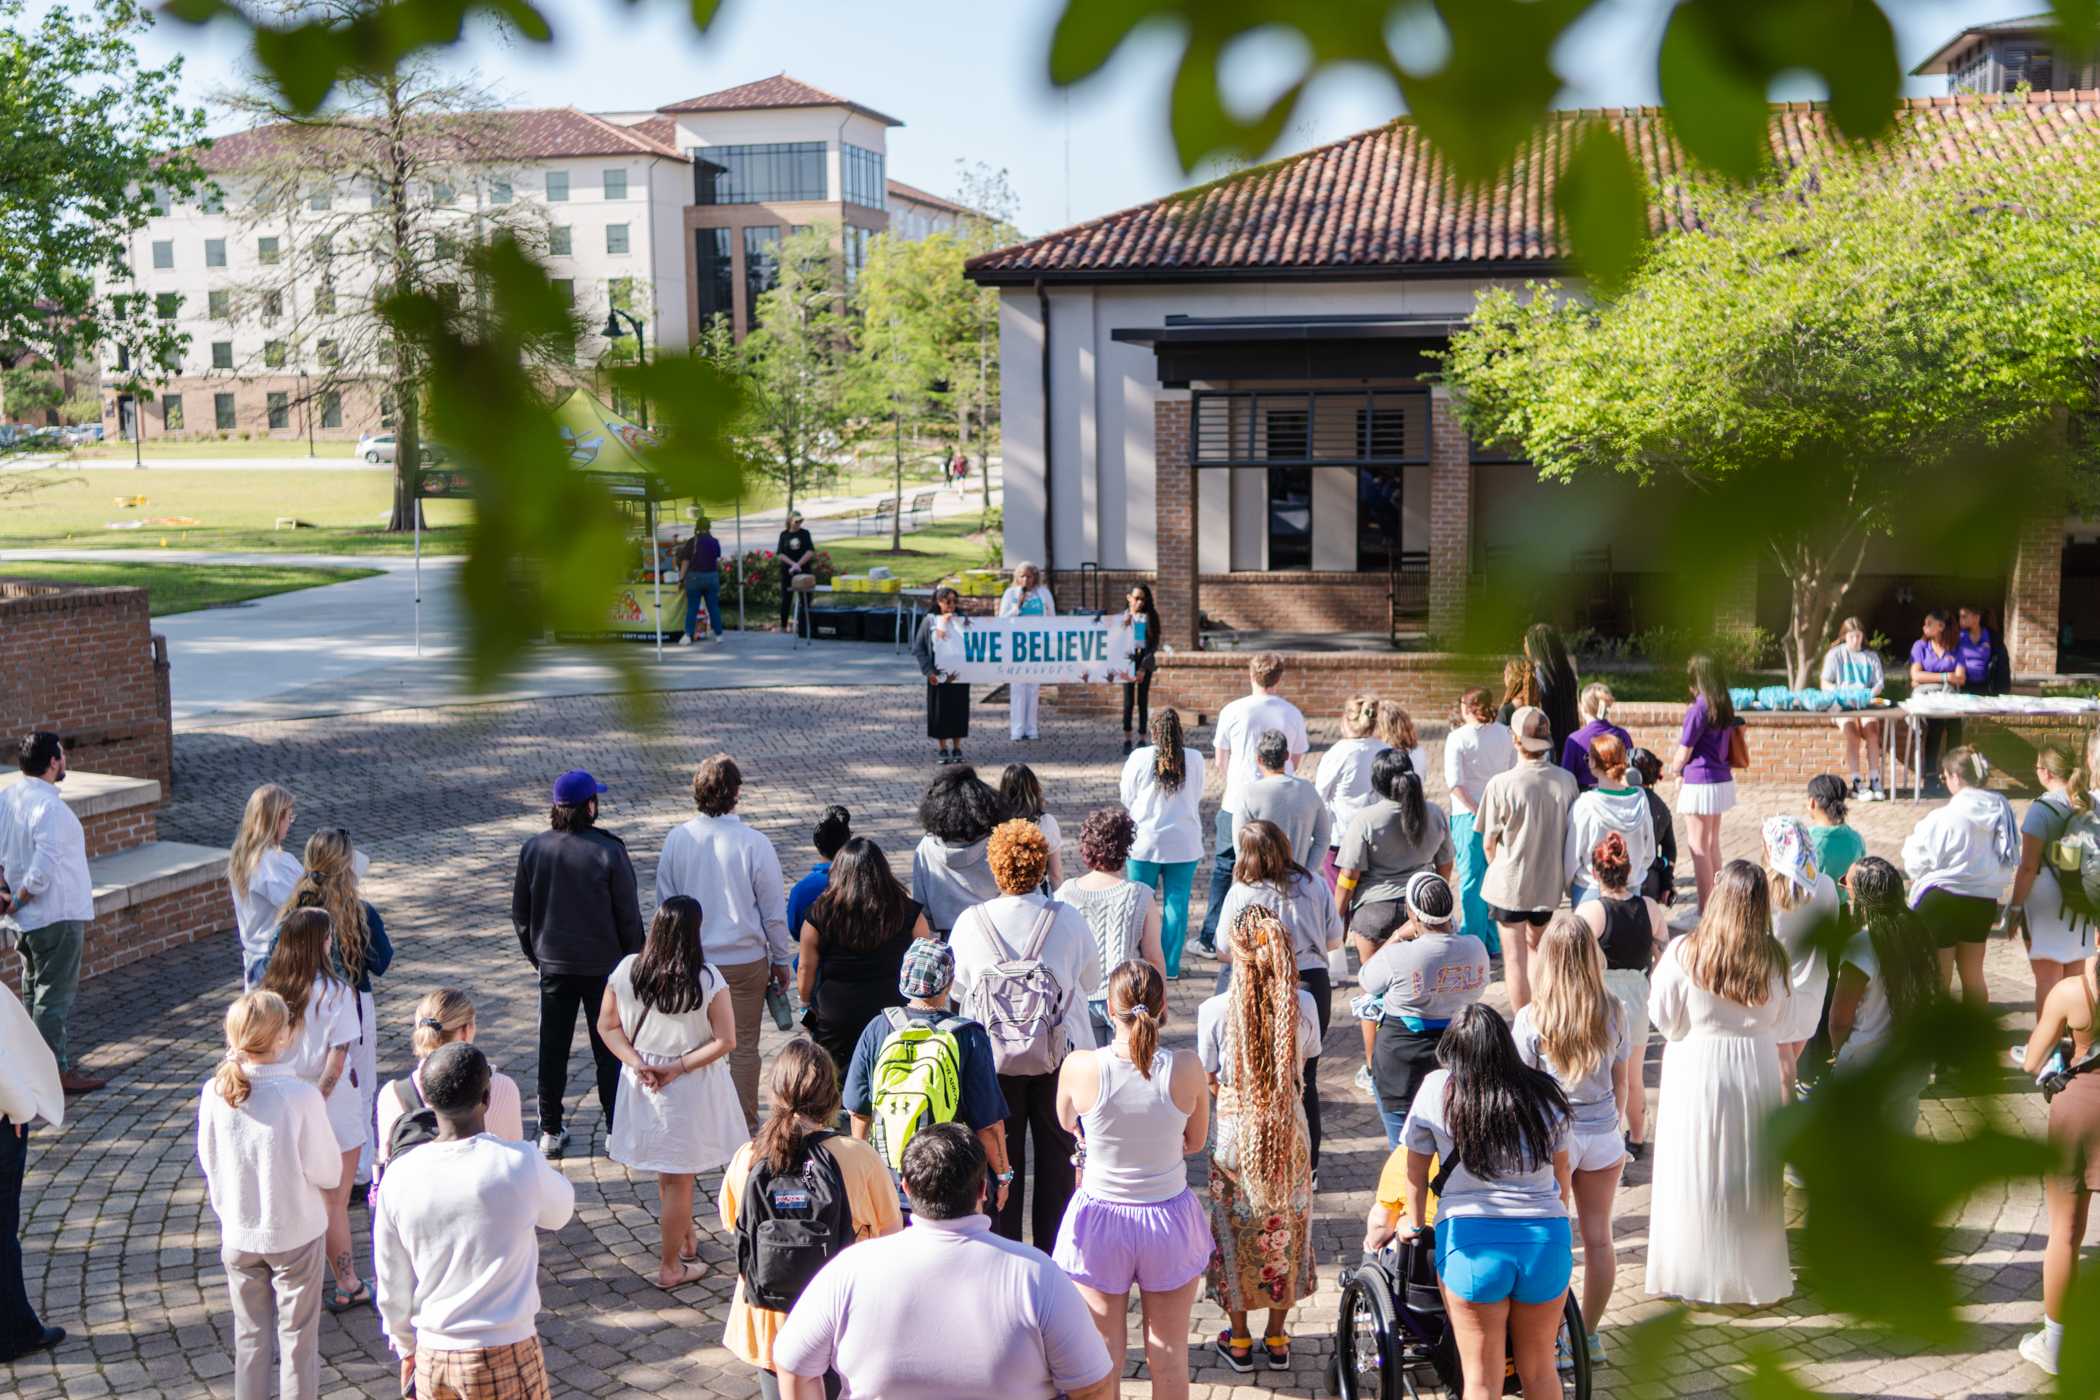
<point x="1868" y="345"/>
<point x="28" y="390"/>
<point x="908" y="303"/>
<point x="796" y="366"/>
<point x="974" y="364"/>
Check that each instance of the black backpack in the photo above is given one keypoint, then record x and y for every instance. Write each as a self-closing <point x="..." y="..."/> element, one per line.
<point x="412" y="1129"/>
<point x="789" y="1225"/>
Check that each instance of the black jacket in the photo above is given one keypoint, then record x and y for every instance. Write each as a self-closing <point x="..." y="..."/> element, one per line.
<point x="575" y="905"/>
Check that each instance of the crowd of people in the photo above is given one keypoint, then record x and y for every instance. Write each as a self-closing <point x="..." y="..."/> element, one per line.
<point x="982" y="1059"/>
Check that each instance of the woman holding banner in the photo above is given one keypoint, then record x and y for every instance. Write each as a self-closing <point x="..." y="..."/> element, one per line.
<point x="1028" y="596"/>
<point x="947" y="702"/>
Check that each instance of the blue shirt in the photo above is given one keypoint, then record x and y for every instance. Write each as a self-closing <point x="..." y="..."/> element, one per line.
<point x="803" y="894"/>
<point x="982" y="1104"/>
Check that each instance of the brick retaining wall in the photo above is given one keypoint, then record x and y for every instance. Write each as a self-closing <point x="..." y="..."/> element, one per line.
<point x="142" y="930"/>
<point x="85" y="663"/>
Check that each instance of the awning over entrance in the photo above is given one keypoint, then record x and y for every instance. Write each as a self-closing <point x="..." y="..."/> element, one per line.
<point x="1206" y="348"/>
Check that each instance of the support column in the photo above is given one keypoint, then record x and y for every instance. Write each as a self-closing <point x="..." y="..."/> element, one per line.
<point x="1176" y="587"/>
<point x="1450" y="518"/>
<point x="2034" y="596"/>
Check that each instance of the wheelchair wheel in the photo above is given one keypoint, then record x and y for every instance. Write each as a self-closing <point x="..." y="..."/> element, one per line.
<point x="1575" y="1382"/>
<point x="1366" y="1339"/>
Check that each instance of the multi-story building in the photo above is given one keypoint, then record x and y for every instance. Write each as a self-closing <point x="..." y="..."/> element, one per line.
<point x="2009" y="53"/>
<point x="675" y="214"/>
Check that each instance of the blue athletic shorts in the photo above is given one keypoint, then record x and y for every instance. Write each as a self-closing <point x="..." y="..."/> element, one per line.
<point x="1486" y="1260"/>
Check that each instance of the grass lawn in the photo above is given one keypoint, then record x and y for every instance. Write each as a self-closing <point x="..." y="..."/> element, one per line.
<point x="152" y="448"/>
<point x="204" y="509"/>
<point x="928" y="556"/>
<point x="181" y="588"/>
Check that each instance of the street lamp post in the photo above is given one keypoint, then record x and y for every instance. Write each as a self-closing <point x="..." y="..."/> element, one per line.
<point x="613" y="316"/>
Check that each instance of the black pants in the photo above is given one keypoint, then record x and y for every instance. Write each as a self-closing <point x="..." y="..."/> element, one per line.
<point x="1031" y="1112"/>
<point x="561" y="994"/>
<point x="1138" y="693"/>
<point x="1314" y="980"/>
<point x="787" y="596"/>
<point x="769" y="1385"/>
<point x="19" y="1325"/>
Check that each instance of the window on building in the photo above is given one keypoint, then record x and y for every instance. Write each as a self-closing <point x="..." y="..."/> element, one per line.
<point x="322" y="250"/>
<point x="565" y="288"/>
<point x="321" y="200"/>
<point x="166" y="304"/>
<point x="171" y="412"/>
<point x="266" y="250"/>
<point x="717" y="272"/>
<point x="273" y="354"/>
<point x="324" y="298"/>
<point x="616" y="238"/>
<point x="328" y="354"/>
<point x="156" y="199"/>
<point x="214" y="201"/>
<point x="761" y="266"/>
<point x="222" y="354"/>
<point x="215" y="252"/>
<point x="785" y="170"/>
<point x="855" y="246"/>
<point x="442" y="192"/>
<point x="616" y="184"/>
<point x="272" y="307"/>
<point x="222" y="412"/>
<point x="560" y="240"/>
<point x="1290" y="489"/>
<point x="1377" y="519"/>
<point x="219" y="304"/>
<point x="386" y="410"/>
<point x="171" y="359"/>
<point x="163" y="253"/>
<point x="499" y="192"/>
<point x="864" y="181"/>
<point x="619" y="293"/>
<point x="278" y="406"/>
<point x="557" y="186"/>
<point x="331" y="409"/>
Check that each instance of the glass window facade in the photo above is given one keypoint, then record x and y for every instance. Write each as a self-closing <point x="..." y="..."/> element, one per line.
<point x="222" y="412"/>
<point x="1290" y="490"/>
<point x="215" y="252"/>
<point x="163" y="253"/>
<point x="783" y="170"/>
<point x="278" y="405"/>
<point x="761" y="266"/>
<point x="171" y="412"/>
<point x="854" y="243"/>
<point x="616" y="184"/>
<point x="557" y="186"/>
<point x="716" y="272"/>
<point x="616" y="238"/>
<point x="222" y="354"/>
<point x="1377" y="519"/>
<point x="865" y="184"/>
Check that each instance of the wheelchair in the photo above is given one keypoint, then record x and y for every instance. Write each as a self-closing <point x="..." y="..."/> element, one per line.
<point x="1393" y="1340"/>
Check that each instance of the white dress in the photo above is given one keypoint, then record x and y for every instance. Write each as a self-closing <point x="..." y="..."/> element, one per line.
<point x="331" y="1020"/>
<point x="1717" y="1224"/>
<point x="1798" y="930"/>
<point x="2052" y="933"/>
<point x="696" y="1123"/>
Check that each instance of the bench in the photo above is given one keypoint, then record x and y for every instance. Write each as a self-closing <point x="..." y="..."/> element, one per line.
<point x="921" y="504"/>
<point x="884" y="512"/>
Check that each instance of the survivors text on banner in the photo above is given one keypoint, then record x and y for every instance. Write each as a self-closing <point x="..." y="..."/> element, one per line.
<point x="1052" y="650"/>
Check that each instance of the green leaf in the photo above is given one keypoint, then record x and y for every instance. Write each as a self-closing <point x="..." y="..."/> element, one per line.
<point x="1089" y="32"/>
<point x="1641" y="1352"/>
<point x="1770" y="1380"/>
<point x="2078" y="1376"/>
<point x="1497" y="83"/>
<point x="1603" y="203"/>
<point x="1716" y="100"/>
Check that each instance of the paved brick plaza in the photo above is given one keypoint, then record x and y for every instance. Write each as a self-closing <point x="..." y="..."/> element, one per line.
<point x="122" y="1249"/>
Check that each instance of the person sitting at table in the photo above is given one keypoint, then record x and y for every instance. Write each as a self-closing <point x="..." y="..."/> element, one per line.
<point x="1850" y="662"/>
<point x="1935" y="669"/>
<point x="1983" y="657"/>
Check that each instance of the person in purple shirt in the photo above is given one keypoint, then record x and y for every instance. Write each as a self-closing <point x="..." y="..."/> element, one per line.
<point x="1597" y="701"/>
<point x="1980" y="654"/>
<point x="700" y="575"/>
<point x="1708" y="788"/>
<point x="1936" y="664"/>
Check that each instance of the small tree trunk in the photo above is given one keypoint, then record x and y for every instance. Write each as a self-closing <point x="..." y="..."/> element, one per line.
<point x="408" y="457"/>
<point x="897" y="515"/>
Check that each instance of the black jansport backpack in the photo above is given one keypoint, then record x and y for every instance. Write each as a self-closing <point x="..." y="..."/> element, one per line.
<point x="412" y="1129"/>
<point x="789" y="1225"/>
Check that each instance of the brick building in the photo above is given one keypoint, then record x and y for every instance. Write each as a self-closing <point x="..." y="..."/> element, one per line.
<point x="1225" y="391"/>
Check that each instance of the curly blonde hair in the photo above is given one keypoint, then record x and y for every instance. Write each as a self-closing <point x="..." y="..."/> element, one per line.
<point x="330" y="884"/>
<point x="1019" y="855"/>
<point x="1261" y="1051"/>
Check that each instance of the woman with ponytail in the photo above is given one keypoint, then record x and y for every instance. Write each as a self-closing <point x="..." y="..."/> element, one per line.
<point x="1254" y="1039"/>
<point x="802" y="1089"/>
<point x="269" y="1158"/>
<point x="358" y="951"/>
<point x="1631" y="930"/>
<point x="2057" y="940"/>
<point x="667" y="1019"/>
<point x="1134" y="1221"/>
<point x="1162" y="789"/>
<point x="442" y="1017"/>
<point x="1886" y="977"/>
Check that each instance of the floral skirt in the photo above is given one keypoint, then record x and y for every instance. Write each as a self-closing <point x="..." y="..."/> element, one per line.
<point x="1261" y="1258"/>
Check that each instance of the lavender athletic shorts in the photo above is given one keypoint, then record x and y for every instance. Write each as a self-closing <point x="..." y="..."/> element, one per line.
<point x="1107" y="1246"/>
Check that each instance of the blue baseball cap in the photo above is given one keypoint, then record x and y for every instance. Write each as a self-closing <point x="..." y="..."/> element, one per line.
<point x="576" y="787"/>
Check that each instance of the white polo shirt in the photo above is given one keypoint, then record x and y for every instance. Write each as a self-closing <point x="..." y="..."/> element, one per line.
<point x="43" y="853"/>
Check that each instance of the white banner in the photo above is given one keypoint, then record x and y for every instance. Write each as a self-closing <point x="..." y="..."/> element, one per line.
<point x="1049" y="650"/>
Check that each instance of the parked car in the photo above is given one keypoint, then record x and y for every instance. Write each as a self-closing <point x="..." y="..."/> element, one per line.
<point x="379" y="447"/>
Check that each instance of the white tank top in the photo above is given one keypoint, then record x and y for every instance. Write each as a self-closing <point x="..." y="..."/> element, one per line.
<point x="1133" y="1133"/>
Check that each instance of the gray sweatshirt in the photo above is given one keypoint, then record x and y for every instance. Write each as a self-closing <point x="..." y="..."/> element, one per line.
<point x="949" y="879"/>
<point x="1294" y="805"/>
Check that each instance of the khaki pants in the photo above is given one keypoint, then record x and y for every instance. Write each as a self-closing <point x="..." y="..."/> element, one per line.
<point x="287" y="1284"/>
<point x="747" y="999"/>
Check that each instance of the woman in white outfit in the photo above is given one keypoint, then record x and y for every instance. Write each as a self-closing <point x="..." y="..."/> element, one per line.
<point x="2056" y="941"/>
<point x="1850" y="664"/>
<point x="1804" y="916"/>
<point x="1717" y="1226"/>
<point x="442" y="1017"/>
<point x="1343" y="778"/>
<point x="1958" y="860"/>
<point x="666" y="1017"/>
<point x="1027" y="596"/>
<point x="260" y="872"/>
<point x="358" y="951"/>
<point x="1576" y="1031"/>
<point x="1134" y="1220"/>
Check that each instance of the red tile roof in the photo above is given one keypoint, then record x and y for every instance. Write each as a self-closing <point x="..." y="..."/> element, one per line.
<point x="528" y="133"/>
<point x="1381" y="204"/>
<point x="662" y="130"/>
<point x="771" y="93"/>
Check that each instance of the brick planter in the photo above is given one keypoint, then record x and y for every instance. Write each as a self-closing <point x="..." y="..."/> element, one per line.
<point x="84" y="663"/>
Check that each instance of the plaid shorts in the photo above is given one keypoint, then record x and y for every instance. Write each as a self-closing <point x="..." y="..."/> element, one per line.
<point x="515" y="1372"/>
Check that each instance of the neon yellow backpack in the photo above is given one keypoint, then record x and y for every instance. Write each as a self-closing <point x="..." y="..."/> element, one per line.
<point x="916" y="1082"/>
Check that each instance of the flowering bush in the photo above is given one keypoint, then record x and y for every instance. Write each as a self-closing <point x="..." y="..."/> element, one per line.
<point x="762" y="581"/>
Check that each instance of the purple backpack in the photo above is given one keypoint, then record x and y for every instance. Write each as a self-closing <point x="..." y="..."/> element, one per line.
<point x="1018" y="1000"/>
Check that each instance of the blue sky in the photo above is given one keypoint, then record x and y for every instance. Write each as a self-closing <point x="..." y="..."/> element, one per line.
<point x="967" y="79"/>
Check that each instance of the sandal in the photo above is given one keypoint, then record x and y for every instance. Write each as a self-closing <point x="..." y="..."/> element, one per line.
<point x="340" y="1301"/>
<point x="689" y="1272"/>
<point x="1236" y="1352"/>
<point x="1278" y="1350"/>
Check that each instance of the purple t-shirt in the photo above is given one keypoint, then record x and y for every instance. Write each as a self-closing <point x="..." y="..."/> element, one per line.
<point x="1925" y="658"/>
<point x="1708" y="743"/>
<point x="707" y="555"/>
<point x="1575" y="754"/>
<point x="1975" y="657"/>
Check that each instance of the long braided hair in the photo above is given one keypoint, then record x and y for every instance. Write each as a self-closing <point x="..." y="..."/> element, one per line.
<point x="1261" y="1051"/>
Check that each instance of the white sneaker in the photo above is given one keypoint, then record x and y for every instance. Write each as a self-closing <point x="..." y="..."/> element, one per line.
<point x="685" y="641"/>
<point x="2035" y="1347"/>
<point x="1365" y="1082"/>
<point x="553" y="1145"/>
